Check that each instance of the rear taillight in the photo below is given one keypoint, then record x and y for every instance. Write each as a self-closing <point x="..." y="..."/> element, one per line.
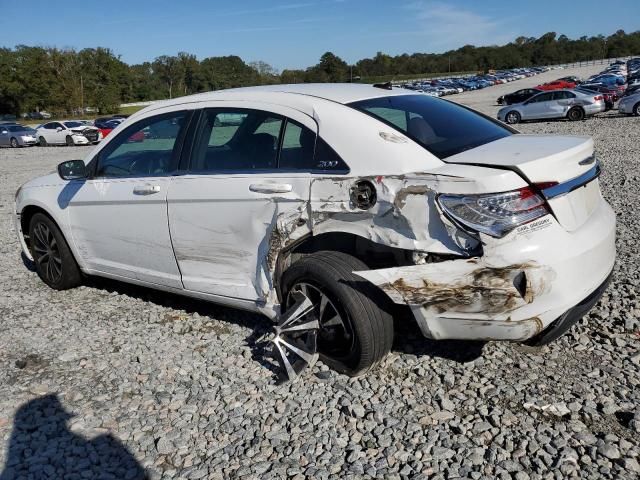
<point x="494" y="214"/>
<point x="598" y="98"/>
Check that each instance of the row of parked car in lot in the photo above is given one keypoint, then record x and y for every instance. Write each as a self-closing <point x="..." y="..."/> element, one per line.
<point x="449" y="86"/>
<point x="575" y="99"/>
<point x="64" y="132"/>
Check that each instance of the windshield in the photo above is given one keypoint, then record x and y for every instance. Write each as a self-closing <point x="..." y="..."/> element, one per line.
<point x="73" y="124"/>
<point x="443" y="128"/>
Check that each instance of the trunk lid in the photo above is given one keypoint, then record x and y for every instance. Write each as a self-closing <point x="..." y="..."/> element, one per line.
<point x="541" y="159"/>
<point x="538" y="158"/>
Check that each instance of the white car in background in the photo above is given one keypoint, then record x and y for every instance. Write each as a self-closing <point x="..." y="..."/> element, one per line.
<point x="68" y="133"/>
<point x="322" y="205"/>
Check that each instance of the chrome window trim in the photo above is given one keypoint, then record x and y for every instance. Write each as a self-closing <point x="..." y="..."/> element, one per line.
<point x="573" y="184"/>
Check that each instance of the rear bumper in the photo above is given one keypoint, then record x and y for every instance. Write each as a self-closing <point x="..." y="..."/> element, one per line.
<point x="523" y="283"/>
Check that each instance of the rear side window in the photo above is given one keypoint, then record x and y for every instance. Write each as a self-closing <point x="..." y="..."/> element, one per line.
<point x="443" y="128"/>
<point x="236" y="140"/>
<point x="298" y="146"/>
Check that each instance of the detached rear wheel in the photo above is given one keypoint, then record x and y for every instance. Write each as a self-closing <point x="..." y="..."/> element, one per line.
<point x="54" y="261"/>
<point x="355" y="332"/>
<point x="575" y="114"/>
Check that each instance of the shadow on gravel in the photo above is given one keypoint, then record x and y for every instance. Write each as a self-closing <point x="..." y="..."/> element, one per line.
<point x="29" y="265"/>
<point x="409" y="339"/>
<point x="260" y="325"/>
<point x="42" y="446"/>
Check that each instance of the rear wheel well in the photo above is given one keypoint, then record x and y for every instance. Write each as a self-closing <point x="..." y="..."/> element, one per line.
<point x="374" y="255"/>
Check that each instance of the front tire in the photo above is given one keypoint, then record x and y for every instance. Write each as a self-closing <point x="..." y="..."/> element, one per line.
<point x="513" y="117"/>
<point x="14" y="143"/>
<point x="575" y="114"/>
<point x="356" y="332"/>
<point x="636" y="109"/>
<point x="53" y="259"/>
<point x="69" y="141"/>
<point x="42" y="142"/>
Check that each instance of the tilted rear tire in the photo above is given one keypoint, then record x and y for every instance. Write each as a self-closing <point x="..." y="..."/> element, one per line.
<point x="363" y="334"/>
<point x="53" y="259"/>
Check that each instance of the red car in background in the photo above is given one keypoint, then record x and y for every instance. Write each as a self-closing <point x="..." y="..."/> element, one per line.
<point x="557" y="85"/>
<point x="108" y="126"/>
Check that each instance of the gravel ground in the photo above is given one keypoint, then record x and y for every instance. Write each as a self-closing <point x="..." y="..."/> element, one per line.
<point x="113" y="381"/>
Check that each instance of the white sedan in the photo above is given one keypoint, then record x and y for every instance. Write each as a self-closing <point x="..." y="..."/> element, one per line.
<point x="321" y="206"/>
<point x="67" y="133"/>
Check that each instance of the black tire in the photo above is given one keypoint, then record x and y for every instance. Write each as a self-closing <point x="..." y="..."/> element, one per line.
<point x="42" y="142"/>
<point x="512" y="117"/>
<point x="636" y="109"/>
<point x="69" y="141"/>
<point x="369" y="320"/>
<point x="53" y="259"/>
<point x="575" y="114"/>
<point x="14" y="142"/>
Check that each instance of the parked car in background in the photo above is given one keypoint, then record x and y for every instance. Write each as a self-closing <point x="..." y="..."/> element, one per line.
<point x="571" y="104"/>
<point x="518" y="96"/>
<point x="630" y="104"/>
<point x="276" y="200"/>
<point x="7" y="118"/>
<point x="106" y="127"/>
<point x="556" y="85"/>
<point x="16" y="135"/>
<point x="610" y="94"/>
<point x="67" y="133"/>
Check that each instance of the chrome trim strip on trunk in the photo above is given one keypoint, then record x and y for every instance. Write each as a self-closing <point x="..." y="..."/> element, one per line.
<point x="573" y="184"/>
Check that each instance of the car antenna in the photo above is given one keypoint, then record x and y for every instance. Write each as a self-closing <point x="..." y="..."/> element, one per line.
<point x="386" y="86"/>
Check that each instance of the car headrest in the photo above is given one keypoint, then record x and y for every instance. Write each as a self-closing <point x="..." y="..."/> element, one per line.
<point x="419" y="129"/>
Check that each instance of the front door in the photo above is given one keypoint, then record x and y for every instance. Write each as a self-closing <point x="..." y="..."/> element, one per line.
<point x="228" y="213"/>
<point x="118" y="218"/>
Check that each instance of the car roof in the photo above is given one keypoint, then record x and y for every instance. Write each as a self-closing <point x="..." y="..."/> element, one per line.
<point x="335" y="92"/>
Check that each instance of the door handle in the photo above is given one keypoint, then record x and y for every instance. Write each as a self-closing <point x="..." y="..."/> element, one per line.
<point x="270" y="187"/>
<point x="146" y="189"/>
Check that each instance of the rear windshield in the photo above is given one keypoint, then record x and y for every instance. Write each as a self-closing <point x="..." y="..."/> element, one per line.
<point x="443" y="128"/>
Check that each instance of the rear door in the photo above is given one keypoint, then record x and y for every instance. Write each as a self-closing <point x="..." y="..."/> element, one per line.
<point x="233" y="208"/>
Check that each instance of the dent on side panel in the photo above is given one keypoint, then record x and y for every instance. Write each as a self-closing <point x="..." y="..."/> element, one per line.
<point x="404" y="214"/>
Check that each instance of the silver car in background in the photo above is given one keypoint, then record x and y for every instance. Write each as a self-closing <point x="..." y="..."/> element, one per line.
<point x="571" y="104"/>
<point x="630" y="104"/>
<point x="16" y="135"/>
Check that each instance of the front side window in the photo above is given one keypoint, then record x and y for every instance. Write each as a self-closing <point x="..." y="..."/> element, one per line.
<point x="441" y="127"/>
<point x="146" y="148"/>
<point x="237" y="140"/>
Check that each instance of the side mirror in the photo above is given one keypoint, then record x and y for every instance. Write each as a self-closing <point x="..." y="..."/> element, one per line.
<point x="73" y="170"/>
<point x="59" y="129"/>
<point x="4" y="132"/>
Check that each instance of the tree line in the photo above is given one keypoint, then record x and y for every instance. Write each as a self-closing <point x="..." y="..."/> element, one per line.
<point x="65" y="81"/>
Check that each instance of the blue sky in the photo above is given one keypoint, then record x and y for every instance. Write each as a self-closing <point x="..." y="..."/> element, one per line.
<point x="294" y="33"/>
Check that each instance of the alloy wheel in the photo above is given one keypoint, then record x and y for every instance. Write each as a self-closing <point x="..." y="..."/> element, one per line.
<point x="512" y="117"/>
<point x="46" y="253"/>
<point x="335" y="335"/>
<point x="14" y="143"/>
